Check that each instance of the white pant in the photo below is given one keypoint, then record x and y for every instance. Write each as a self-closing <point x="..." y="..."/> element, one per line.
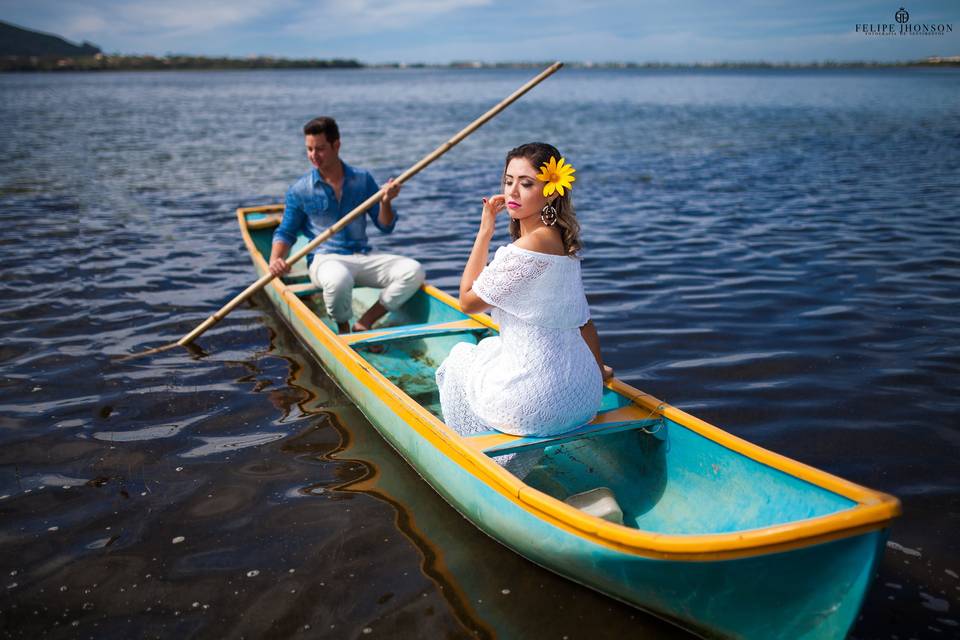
<point x="397" y="276"/>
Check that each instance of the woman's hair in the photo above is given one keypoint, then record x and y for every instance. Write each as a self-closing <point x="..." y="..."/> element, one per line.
<point x="538" y="153"/>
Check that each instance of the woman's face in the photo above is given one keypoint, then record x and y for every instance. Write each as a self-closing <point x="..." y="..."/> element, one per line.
<point x="521" y="189"/>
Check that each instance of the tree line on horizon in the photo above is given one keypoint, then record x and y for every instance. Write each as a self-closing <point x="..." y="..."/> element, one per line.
<point x="26" y="50"/>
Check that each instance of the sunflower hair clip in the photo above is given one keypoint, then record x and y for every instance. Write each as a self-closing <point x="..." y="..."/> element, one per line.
<point x="557" y="176"/>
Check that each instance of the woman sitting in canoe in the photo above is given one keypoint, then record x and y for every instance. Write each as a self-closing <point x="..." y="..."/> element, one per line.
<point x="543" y="374"/>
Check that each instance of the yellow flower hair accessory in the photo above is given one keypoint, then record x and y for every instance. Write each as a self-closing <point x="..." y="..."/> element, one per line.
<point x="557" y="175"/>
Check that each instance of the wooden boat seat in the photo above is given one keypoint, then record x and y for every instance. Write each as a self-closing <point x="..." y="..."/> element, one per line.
<point x="264" y="220"/>
<point x="411" y="331"/>
<point x="613" y="421"/>
<point x="303" y="289"/>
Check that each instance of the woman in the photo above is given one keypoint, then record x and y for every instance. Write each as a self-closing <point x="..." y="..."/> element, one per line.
<point x="543" y="374"/>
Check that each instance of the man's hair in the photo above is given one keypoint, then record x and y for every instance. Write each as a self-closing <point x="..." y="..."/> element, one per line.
<point x="323" y="125"/>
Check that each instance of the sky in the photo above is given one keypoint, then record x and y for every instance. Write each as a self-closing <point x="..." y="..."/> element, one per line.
<point x="440" y="31"/>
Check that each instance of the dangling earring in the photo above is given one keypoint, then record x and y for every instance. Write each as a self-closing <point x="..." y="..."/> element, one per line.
<point x="548" y="215"/>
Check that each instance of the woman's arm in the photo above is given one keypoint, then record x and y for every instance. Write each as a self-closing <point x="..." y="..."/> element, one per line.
<point x="470" y="302"/>
<point x="589" y="333"/>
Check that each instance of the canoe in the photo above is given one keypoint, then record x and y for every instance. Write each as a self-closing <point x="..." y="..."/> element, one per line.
<point x="715" y="534"/>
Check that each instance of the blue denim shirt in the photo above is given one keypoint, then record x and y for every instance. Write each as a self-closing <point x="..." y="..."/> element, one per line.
<point x="311" y="207"/>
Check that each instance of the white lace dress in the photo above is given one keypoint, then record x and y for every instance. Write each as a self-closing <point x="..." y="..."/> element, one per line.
<point x="538" y="377"/>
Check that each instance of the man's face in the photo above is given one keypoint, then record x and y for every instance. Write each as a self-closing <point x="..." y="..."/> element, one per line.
<point x="322" y="154"/>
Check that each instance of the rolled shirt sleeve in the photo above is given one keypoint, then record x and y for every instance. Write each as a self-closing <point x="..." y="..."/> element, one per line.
<point x="293" y="220"/>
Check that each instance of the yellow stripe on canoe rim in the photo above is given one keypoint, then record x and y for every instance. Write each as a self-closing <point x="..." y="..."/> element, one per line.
<point x="873" y="510"/>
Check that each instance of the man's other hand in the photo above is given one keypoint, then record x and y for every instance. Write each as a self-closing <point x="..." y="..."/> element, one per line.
<point x="279" y="266"/>
<point x="391" y="190"/>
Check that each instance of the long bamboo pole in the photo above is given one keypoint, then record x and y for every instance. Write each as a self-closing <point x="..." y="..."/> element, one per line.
<point x="358" y="211"/>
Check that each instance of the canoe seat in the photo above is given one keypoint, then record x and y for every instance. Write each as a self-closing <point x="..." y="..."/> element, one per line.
<point x="265" y="220"/>
<point x="622" y="419"/>
<point x="411" y="331"/>
<point x="304" y="289"/>
<point x="599" y="502"/>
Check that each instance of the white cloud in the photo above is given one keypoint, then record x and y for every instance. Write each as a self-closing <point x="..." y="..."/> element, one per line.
<point x="116" y="19"/>
<point x="360" y="17"/>
<point x="86" y="25"/>
<point x="408" y="9"/>
<point x="190" y="15"/>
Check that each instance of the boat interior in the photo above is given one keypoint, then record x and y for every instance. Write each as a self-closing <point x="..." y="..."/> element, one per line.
<point x="666" y="477"/>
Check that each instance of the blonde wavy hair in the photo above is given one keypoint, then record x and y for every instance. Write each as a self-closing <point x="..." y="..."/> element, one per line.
<point x="538" y="153"/>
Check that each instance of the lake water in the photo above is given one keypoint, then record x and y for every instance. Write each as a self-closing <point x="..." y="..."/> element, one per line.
<point x="776" y="252"/>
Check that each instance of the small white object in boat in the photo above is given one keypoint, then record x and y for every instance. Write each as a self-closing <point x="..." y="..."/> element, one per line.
<point x="598" y="502"/>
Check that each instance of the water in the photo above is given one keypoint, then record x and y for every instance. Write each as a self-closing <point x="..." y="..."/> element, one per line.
<point x="776" y="252"/>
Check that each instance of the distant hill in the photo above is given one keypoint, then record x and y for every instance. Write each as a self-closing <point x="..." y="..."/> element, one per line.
<point x="16" y="41"/>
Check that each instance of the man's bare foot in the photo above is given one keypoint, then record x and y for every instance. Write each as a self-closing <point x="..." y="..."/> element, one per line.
<point x="343" y="327"/>
<point x="371" y="316"/>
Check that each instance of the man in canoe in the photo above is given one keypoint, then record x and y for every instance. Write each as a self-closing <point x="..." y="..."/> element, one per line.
<point x="318" y="200"/>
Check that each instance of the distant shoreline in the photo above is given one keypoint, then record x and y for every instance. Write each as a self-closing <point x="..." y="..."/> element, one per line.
<point x="101" y="62"/>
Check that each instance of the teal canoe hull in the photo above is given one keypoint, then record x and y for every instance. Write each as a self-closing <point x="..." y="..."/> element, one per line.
<point x="688" y="496"/>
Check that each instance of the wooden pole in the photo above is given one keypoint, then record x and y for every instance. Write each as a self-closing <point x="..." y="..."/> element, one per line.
<point x="359" y="210"/>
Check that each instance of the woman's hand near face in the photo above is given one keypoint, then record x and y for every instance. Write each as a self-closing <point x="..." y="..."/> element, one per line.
<point x="491" y="207"/>
<point x="470" y="302"/>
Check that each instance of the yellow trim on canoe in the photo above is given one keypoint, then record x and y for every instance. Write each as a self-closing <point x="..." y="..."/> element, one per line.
<point x="873" y="510"/>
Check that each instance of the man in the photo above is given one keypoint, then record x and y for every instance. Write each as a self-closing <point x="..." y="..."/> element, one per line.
<point x="318" y="200"/>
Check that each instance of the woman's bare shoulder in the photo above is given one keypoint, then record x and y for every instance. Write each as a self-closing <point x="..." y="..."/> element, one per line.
<point x="542" y="240"/>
